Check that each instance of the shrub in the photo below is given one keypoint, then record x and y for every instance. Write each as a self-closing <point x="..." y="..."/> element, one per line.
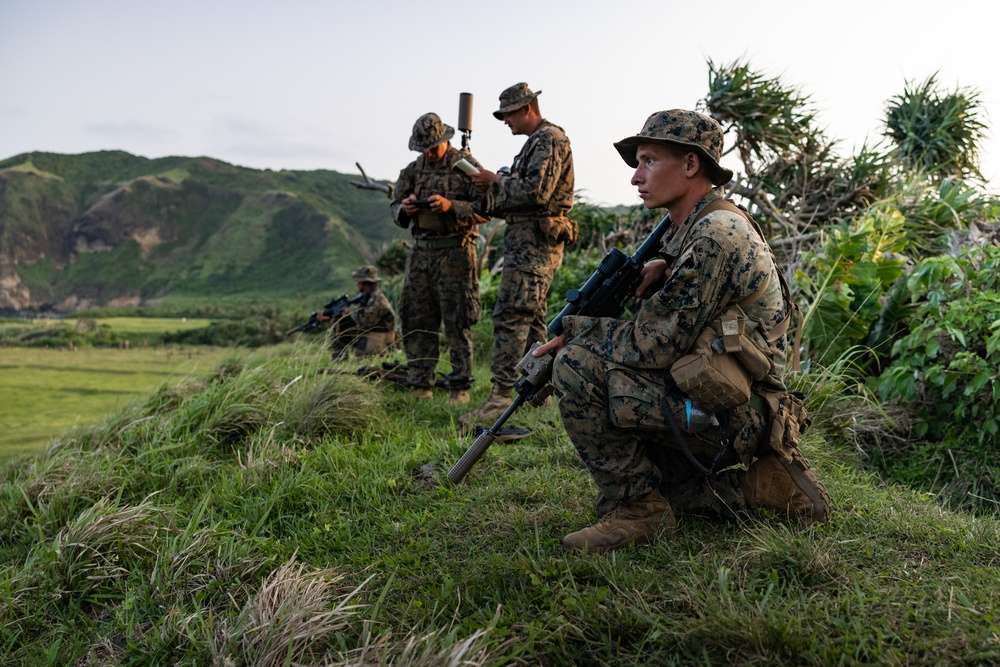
<point x="945" y="369"/>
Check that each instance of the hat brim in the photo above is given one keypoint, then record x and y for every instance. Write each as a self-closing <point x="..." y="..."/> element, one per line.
<point x="498" y="114"/>
<point x="628" y="146"/>
<point x="449" y="132"/>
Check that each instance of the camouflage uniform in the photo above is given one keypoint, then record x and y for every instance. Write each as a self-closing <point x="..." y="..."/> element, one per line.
<point x="442" y="271"/>
<point x="534" y="199"/>
<point x="620" y="404"/>
<point x="614" y="374"/>
<point x="370" y="327"/>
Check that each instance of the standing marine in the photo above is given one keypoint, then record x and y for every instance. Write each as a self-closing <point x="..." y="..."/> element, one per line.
<point x="534" y="199"/>
<point x="435" y="201"/>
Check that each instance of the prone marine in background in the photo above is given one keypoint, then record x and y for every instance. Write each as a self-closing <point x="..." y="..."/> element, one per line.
<point x="369" y="326"/>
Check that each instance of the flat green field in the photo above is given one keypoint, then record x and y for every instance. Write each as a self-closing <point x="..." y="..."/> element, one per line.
<point x="43" y="393"/>
<point x="121" y="324"/>
<point x="150" y="324"/>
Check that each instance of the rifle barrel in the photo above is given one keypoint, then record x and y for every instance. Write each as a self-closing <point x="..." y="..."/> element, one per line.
<point x="482" y="443"/>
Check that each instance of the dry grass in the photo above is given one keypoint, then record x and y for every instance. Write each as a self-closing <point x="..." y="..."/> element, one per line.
<point x="436" y="649"/>
<point x="289" y="617"/>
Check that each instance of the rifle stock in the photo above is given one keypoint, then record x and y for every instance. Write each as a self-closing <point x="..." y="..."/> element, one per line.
<point x="604" y="294"/>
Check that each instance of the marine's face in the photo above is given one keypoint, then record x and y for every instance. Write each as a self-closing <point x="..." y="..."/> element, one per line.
<point x="435" y="153"/>
<point x="661" y="175"/>
<point x="516" y="120"/>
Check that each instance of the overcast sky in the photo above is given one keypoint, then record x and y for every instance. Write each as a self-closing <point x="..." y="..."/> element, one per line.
<point x="303" y="84"/>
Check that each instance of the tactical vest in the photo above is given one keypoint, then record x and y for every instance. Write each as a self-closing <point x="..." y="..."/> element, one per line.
<point x="735" y="353"/>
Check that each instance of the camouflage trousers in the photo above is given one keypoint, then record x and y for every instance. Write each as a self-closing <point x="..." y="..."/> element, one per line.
<point x="617" y="418"/>
<point x="518" y="320"/>
<point x="441" y="286"/>
<point x="345" y="335"/>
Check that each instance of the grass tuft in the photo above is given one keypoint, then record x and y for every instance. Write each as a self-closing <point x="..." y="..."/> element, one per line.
<point x="100" y="544"/>
<point x="288" y="617"/>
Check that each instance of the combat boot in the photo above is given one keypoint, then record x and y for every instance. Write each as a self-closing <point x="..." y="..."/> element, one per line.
<point x="792" y="489"/>
<point x="491" y="409"/>
<point x="632" y="522"/>
<point x="421" y="392"/>
<point x="458" y="396"/>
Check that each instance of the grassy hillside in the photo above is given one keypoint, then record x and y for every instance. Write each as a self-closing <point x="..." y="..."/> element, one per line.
<point x="109" y="228"/>
<point x="272" y="515"/>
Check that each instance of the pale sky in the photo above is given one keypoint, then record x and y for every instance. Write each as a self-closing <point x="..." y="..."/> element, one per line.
<point x="310" y="84"/>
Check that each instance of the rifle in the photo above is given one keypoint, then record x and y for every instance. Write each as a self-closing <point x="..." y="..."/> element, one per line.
<point x="604" y="294"/>
<point x="332" y="310"/>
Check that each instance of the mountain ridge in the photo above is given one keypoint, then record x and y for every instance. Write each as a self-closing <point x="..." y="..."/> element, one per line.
<point x="110" y="228"/>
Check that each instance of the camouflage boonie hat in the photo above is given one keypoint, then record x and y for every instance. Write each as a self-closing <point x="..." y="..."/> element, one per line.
<point x="514" y="98"/>
<point x="366" y="274"/>
<point x="684" y="128"/>
<point x="428" y="132"/>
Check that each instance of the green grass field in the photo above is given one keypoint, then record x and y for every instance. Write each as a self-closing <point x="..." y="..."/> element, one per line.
<point x="144" y="325"/>
<point x="47" y="392"/>
<point x="150" y="324"/>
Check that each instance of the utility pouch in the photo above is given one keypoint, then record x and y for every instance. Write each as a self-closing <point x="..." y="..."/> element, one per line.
<point x="737" y="338"/>
<point x="560" y="230"/>
<point x="430" y="221"/>
<point x="789" y="420"/>
<point x="709" y="377"/>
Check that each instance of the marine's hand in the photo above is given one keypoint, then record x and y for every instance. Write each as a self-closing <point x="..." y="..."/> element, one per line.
<point x="439" y="204"/>
<point x="484" y="178"/>
<point x="320" y="317"/>
<point x="408" y="207"/>
<point x="654" y="275"/>
<point x="554" y="345"/>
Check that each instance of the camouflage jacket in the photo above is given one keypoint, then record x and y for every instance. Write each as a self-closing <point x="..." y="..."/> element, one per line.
<point x="714" y="261"/>
<point x="423" y="178"/>
<point x="538" y="189"/>
<point x="540" y="183"/>
<point x="376" y="314"/>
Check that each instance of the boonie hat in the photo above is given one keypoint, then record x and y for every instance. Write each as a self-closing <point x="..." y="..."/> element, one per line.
<point x="683" y="128"/>
<point x="366" y="274"/>
<point x="514" y="98"/>
<point x="428" y="132"/>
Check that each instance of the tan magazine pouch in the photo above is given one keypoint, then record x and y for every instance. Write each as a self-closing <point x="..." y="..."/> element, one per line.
<point x="710" y="375"/>
<point x="789" y="420"/>
<point x="727" y="357"/>
<point x="560" y="230"/>
<point x="430" y="221"/>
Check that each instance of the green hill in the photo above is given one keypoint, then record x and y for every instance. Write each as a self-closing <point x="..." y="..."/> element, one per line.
<point x="111" y="228"/>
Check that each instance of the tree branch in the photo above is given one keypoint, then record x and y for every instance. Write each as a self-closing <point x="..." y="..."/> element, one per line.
<point x="369" y="184"/>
